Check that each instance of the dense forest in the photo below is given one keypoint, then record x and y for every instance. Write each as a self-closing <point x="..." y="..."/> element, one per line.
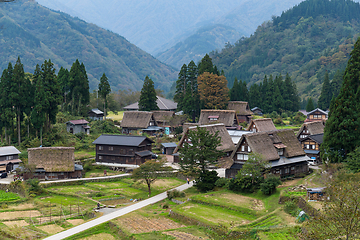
<point x="36" y="33"/>
<point x="306" y="41"/>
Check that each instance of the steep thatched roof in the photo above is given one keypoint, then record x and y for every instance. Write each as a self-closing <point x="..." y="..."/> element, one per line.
<point x="162" y="103"/>
<point x="226" y="143"/>
<point x="136" y="119"/>
<point x="163" y="116"/>
<point x="241" y="108"/>
<point x="226" y="117"/>
<point x="53" y="159"/>
<point x="266" y="144"/>
<point x="262" y="125"/>
<point x="313" y="127"/>
<point x="187" y="125"/>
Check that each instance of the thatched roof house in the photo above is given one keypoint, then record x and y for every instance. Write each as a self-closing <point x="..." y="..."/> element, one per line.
<point x="162" y="118"/>
<point x="53" y="162"/>
<point x="163" y="104"/>
<point x="242" y="110"/>
<point x="227" y="117"/>
<point x="226" y="144"/>
<point x="261" y="125"/>
<point x="280" y="148"/>
<point x="134" y="120"/>
<point x="310" y="128"/>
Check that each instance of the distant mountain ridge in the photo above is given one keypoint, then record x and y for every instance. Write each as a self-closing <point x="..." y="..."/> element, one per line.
<point x="306" y="41"/>
<point x="36" y="33"/>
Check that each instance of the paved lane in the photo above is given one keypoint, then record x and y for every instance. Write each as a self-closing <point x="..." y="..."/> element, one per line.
<point x="113" y="215"/>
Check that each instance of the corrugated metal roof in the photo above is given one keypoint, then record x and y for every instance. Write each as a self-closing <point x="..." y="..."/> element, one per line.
<point x="9" y="150"/>
<point x="97" y="111"/>
<point x="144" y="153"/>
<point x="171" y="144"/>
<point x="162" y="103"/>
<point x="76" y="122"/>
<point x="120" y="140"/>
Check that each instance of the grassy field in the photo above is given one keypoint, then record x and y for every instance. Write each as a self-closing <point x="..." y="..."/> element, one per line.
<point x="113" y="116"/>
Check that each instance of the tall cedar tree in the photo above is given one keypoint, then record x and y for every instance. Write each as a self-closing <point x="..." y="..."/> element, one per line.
<point x="310" y="105"/>
<point x="206" y="65"/>
<point x="255" y="95"/>
<point x="148" y="97"/>
<point x="20" y="90"/>
<point x="199" y="151"/>
<point x="7" y="110"/>
<point x="64" y="83"/>
<point x="41" y="103"/>
<point x="79" y="88"/>
<point x="326" y="94"/>
<point x="213" y="91"/>
<point x="239" y="91"/>
<point x="342" y="129"/>
<point x="52" y="92"/>
<point x="181" y="85"/>
<point x="104" y="90"/>
<point x="192" y="98"/>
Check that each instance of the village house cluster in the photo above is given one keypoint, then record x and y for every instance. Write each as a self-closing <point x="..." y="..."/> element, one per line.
<point x="287" y="153"/>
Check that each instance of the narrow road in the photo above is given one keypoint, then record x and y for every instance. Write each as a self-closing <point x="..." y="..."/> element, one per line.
<point x="115" y="214"/>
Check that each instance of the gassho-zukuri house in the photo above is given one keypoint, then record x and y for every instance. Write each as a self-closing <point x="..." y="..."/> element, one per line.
<point x="280" y="148"/>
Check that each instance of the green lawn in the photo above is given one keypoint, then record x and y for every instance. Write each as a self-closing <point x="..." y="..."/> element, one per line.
<point x="113" y="116"/>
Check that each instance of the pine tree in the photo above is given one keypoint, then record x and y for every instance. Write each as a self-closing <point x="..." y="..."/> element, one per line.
<point x="342" y="129"/>
<point x="64" y="82"/>
<point x="148" y="97"/>
<point x="234" y="91"/>
<point x="192" y="105"/>
<point x="206" y="65"/>
<point x="104" y="90"/>
<point x="326" y="94"/>
<point x="181" y="85"/>
<point x="336" y="83"/>
<point x="255" y="96"/>
<point x="310" y="105"/>
<point x="41" y="104"/>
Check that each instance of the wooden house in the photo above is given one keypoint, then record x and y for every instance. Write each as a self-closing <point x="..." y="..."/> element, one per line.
<point x="261" y="125"/>
<point x="96" y="114"/>
<point x="279" y="148"/>
<point x="53" y="163"/>
<point x="78" y="126"/>
<point x="227" y="117"/>
<point x="311" y="145"/>
<point x="136" y="120"/>
<point x="168" y="148"/>
<point x="163" y="104"/>
<point x="257" y="111"/>
<point x="9" y="158"/>
<point x="122" y="150"/>
<point x="242" y="109"/>
<point x="226" y="144"/>
<point x="163" y="118"/>
<point x="310" y="128"/>
<point x="316" y="115"/>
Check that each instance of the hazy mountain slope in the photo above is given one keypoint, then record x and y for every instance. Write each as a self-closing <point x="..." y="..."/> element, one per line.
<point x="309" y="39"/>
<point x="36" y="33"/>
<point x="156" y="26"/>
<point x="197" y="45"/>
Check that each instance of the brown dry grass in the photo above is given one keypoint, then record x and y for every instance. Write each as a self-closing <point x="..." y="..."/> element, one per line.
<point x="181" y="235"/>
<point x="20" y="223"/>
<point x="239" y="200"/>
<point x="51" y="229"/>
<point x="289" y="183"/>
<point x="22" y="206"/>
<point x="317" y="205"/>
<point x="19" y="214"/>
<point x="100" y="236"/>
<point x="137" y="224"/>
<point x="75" y="222"/>
<point x="287" y="218"/>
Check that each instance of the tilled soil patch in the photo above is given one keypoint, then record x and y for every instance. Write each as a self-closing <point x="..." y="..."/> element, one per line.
<point x="100" y="236"/>
<point x="141" y="224"/>
<point x="52" y="228"/>
<point x="181" y="235"/>
<point x="19" y="214"/>
<point x="20" y="223"/>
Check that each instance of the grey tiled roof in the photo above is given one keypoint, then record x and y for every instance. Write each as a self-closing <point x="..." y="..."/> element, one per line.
<point x="9" y="150"/>
<point x="120" y="140"/>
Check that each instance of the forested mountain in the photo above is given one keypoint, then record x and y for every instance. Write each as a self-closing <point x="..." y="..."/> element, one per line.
<point x="36" y="33"/>
<point x="196" y="46"/>
<point x="306" y="41"/>
<point x="160" y="25"/>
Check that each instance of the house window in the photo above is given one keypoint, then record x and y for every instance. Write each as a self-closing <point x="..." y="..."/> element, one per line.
<point x="249" y="149"/>
<point x="9" y="158"/>
<point x="307" y="146"/>
<point x="292" y="168"/>
<point x="243" y="148"/>
<point x="111" y="148"/>
<point x="286" y="170"/>
<point x="241" y="156"/>
<point x="101" y="148"/>
<point x="313" y="146"/>
<point x="100" y="157"/>
<point x="281" y="151"/>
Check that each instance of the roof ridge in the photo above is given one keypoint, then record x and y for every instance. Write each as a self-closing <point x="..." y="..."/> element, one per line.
<point x="158" y="97"/>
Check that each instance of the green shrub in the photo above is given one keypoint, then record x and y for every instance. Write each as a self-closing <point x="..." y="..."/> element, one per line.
<point x="269" y="185"/>
<point x="242" y="184"/>
<point x="174" y="193"/>
<point x="34" y="186"/>
<point x="222" y="182"/>
<point x="206" y="181"/>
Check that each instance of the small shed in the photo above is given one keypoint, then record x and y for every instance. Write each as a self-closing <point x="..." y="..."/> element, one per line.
<point x="316" y="194"/>
<point x="168" y="148"/>
<point x="78" y="126"/>
<point x="257" y="111"/>
<point x="96" y="114"/>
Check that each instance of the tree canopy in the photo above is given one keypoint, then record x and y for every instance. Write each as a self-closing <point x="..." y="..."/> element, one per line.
<point x="148" y="97"/>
